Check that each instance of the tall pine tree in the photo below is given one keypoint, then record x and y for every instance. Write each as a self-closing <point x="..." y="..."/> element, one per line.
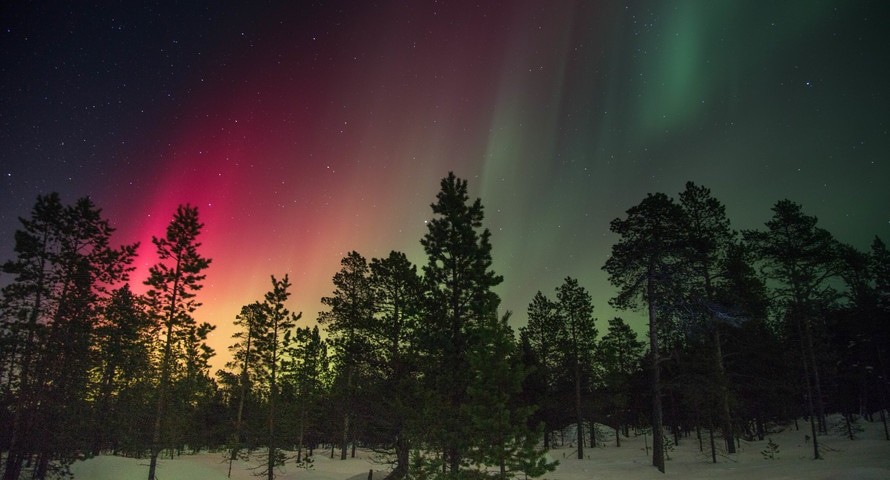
<point x="800" y="258"/>
<point x="545" y="335"/>
<point x="709" y="237"/>
<point x="647" y="264"/>
<point x="619" y="352"/>
<point x="575" y="311"/>
<point x="173" y="283"/>
<point x="349" y="316"/>
<point x="392" y="359"/>
<point x="274" y="338"/>
<point x="459" y="298"/>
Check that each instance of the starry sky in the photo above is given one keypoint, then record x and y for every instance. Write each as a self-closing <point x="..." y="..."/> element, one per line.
<point x="304" y="130"/>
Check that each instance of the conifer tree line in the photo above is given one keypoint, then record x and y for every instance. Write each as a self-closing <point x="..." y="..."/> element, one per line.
<point x="746" y="330"/>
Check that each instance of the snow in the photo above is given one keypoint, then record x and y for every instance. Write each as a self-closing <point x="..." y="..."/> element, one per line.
<point x="866" y="458"/>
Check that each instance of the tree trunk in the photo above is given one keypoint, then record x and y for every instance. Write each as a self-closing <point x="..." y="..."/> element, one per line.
<point x="806" y="373"/>
<point x="302" y="430"/>
<point x="725" y="416"/>
<point x="103" y="403"/>
<point x="165" y="375"/>
<point x="403" y="451"/>
<point x="238" y="421"/>
<point x="159" y="407"/>
<point x="344" y="442"/>
<point x="580" y="423"/>
<point x="657" y="433"/>
<point x="817" y="384"/>
<point x="273" y="392"/>
<point x="884" y="421"/>
<point x="713" y="446"/>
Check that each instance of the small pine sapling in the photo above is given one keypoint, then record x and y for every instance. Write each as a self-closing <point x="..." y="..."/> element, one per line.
<point x="668" y="447"/>
<point x="771" y="452"/>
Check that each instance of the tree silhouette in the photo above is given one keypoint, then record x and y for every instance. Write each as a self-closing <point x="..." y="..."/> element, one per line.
<point x="308" y="370"/>
<point x="273" y="339"/>
<point x="123" y="344"/>
<point x="458" y="282"/>
<point x="619" y="353"/>
<point x="244" y="358"/>
<point x="350" y="313"/>
<point x="575" y="312"/>
<point x="545" y="334"/>
<point x="392" y="341"/>
<point x="172" y="284"/>
<point x="647" y="265"/>
<point x="800" y="258"/>
<point x="709" y="236"/>
<point x="63" y="268"/>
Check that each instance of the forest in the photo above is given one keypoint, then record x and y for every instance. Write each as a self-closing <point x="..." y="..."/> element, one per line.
<point x="747" y="330"/>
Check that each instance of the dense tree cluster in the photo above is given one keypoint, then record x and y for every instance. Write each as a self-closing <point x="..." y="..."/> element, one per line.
<point x="746" y="330"/>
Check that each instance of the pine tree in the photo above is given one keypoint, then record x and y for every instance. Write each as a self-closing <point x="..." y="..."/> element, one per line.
<point x="459" y="299"/>
<point x="64" y="265"/>
<point x="308" y="371"/>
<point x="575" y="311"/>
<point x="244" y="359"/>
<point x="646" y="265"/>
<point x="709" y="236"/>
<point x="195" y="389"/>
<point x="173" y="283"/>
<point x="755" y="349"/>
<point x="392" y="342"/>
<point x="274" y="338"/>
<point x="619" y="352"/>
<point x="545" y="334"/>
<point x="122" y="344"/>
<point x="350" y="312"/>
<point x="801" y="258"/>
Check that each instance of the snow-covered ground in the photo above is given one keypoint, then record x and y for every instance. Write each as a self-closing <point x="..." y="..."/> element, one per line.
<point x="866" y="458"/>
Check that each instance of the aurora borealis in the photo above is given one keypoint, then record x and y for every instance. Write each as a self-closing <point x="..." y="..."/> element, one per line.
<point x="304" y="131"/>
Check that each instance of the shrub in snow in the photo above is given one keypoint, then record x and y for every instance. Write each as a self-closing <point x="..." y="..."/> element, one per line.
<point x="771" y="452"/>
<point x="668" y="447"/>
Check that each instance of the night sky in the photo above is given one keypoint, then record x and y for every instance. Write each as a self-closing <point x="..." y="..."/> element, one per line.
<point x="306" y="130"/>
